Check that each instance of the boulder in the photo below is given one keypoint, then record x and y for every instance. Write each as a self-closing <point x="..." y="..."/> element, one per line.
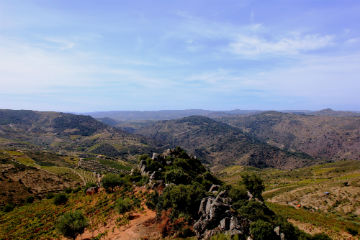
<point x="216" y="217"/>
<point x="214" y="188"/>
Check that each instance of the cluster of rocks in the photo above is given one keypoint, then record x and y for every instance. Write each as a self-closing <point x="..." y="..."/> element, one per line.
<point x="95" y="166"/>
<point x="154" y="175"/>
<point x="216" y="217"/>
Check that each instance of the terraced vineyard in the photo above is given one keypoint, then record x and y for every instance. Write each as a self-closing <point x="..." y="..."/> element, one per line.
<point x="317" y="198"/>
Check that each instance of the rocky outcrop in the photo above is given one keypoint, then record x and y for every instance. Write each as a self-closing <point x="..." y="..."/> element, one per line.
<point x="216" y="217"/>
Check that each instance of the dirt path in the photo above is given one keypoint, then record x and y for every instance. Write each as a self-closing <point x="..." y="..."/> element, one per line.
<point x="141" y="226"/>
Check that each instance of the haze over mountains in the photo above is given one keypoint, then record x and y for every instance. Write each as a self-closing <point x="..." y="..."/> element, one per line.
<point x="174" y="114"/>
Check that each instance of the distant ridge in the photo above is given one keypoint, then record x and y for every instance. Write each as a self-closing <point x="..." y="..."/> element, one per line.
<point x="128" y="116"/>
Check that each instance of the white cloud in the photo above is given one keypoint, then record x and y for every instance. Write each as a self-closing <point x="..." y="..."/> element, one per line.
<point x="254" y="46"/>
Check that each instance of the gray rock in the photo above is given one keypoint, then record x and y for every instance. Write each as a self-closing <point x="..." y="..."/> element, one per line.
<point x="214" y="188"/>
<point x="216" y="217"/>
<point x="282" y="236"/>
<point x="277" y="230"/>
<point x="155" y="156"/>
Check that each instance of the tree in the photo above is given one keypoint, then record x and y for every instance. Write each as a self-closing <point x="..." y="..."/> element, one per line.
<point x="124" y="205"/>
<point x="261" y="230"/>
<point x="71" y="224"/>
<point x="109" y="181"/>
<point x="254" y="185"/>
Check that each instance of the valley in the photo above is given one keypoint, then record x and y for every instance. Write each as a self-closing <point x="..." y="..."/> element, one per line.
<point x="314" y="184"/>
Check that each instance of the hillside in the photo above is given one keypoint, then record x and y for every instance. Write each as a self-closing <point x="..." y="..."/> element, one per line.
<point x="69" y="133"/>
<point x="169" y="196"/>
<point x="319" y="198"/>
<point x="323" y="136"/>
<point x="121" y="116"/>
<point x="220" y="144"/>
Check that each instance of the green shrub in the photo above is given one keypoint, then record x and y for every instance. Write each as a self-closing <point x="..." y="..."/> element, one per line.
<point x="110" y="181"/>
<point x="152" y="200"/>
<point x="71" y="224"/>
<point x="254" y="210"/>
<point x="254" y="185"/>
<point x="124" y="205"/>
<point x="8" y="207"/>
<point x="177" y="176"/>
<point x="68" y="190"/>
<point x="238" y="193"/>
<point x="60" y="198"/>
<point x="50" y="195"/>
<point x="352" y="231"/>
<point x="183" y="198"/>
<point x="261" y="230"/>
<point x="75" y="190"/>
<point x="30" y="199"/>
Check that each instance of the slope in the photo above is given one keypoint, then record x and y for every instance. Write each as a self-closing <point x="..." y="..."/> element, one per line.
<point x="220" y="144"/>
<point x="327" y="137"/>
<point x="63" y="132"/>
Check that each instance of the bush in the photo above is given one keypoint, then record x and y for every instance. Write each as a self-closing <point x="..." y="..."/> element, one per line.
<point x="60" y="198"/>
<point x="75" y="190"/>
<point x="124" y="205"/>
<point x="177" y="176"/>
<point x="254" y="185"/>
<point x="152" y="200"/>
<point x="352" y="231"/>
<point x="8" y="207"/>
<point x="183" y="198"/>
<point x="254" y="210"/>
<point x="50" y="195"/>
<point x="30" y="199"/>
<point x="261" y="230"/>
<point x="71" y="224"/>
<point x="110" y="181"/>
<point x="238" y="193"/>
<point x="68" y="190"/>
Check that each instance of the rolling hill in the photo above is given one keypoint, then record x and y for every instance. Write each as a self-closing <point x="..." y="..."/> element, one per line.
<point x="69" y="133"/>
<point x="321" y="135"/>
<point x="220" y="144"/>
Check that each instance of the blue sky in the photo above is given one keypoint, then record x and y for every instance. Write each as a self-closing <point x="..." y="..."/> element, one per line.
<point x="85" y="56"/>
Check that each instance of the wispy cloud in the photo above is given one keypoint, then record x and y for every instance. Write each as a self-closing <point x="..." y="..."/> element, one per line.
<point x="62" y="44"/>
<point x="253" y="46"/>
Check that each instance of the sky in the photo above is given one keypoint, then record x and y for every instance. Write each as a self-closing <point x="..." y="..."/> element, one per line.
<point x="85" y="55"/>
